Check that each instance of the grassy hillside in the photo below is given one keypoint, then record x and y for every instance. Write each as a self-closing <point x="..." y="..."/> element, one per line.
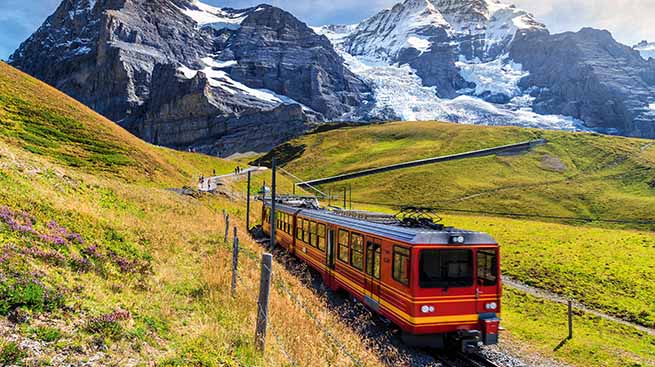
<point x="100" y="263"/>
<point x="608" y="267"/>
<point x="584" y="175"/>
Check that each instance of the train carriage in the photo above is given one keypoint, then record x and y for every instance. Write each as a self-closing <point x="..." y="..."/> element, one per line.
<point x="437" y="284"/>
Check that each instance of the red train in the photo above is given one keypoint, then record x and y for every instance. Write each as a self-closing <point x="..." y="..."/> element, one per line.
<point x="437" y="284"/>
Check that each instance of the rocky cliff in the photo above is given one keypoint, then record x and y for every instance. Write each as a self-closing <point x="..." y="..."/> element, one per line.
<point x="187" y="75"/>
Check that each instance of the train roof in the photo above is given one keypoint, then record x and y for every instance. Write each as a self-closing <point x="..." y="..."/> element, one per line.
<point x="408" y="235"/>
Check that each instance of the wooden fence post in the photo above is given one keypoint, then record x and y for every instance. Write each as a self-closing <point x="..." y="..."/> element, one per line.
<point x="235" y="262"/>
<point x="227" y="227"/>
<point x="262" y="303"/>
<point x="570" y="320"/>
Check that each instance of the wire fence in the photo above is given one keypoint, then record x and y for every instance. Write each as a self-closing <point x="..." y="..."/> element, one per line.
<point x="281" y="285"/>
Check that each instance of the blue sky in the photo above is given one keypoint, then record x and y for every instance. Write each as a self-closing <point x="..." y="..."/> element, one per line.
<point x="629" y="20"/>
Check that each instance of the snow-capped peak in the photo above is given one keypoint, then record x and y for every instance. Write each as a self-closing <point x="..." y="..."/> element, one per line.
<point x="210" y="16"/>
<point x="418" y="24"/>
<point x="646" y="49"/>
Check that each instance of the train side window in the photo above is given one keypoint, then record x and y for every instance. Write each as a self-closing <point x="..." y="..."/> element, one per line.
<point x="267" y="215"/>
<point x="305" y="231"/>
<point x="487" y="267"/>
<point x="357" y="251"/>
<point x="313" y="238"/>
<point x="299" y="228"/>
<point x="321" y="236"/>
<point x="373" y="254"/>
<point x="343" y="246"/>
<point x="401" y="265"/>
<point x="287" y="224"/>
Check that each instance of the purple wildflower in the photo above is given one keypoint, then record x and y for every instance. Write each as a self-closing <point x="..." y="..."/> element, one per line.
<point x="92" y="251"/>
<point x="118" y="315"/>
<point x="75" y="237"/>
<point x="52" y="257"/>
<point x="80" y="263"/>
<point x="53" y="239"/>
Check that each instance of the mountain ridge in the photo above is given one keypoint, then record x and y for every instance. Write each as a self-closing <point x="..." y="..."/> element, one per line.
<point x="188" y="75"/>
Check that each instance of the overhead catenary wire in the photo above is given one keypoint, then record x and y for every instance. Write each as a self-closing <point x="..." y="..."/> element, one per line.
<point x="300" y="180"/>
<point x="518" y="215"/>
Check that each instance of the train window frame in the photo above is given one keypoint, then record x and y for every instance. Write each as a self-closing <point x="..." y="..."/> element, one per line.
<point x="321" y="239"/>
<point x="345" y="245"/>
<point x="373" y="269"/>
<point x="299" y="229"/>
<point x="493" y="267"/>
<point x="313" y="239"/>
<point x="359" y="252"/>
<point x="305" y="231"/>
<point x="267" y="215"/>
<point x="398" y="253"/>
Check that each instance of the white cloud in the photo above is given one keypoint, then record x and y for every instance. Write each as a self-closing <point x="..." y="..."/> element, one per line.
<point x="629" y="21"/>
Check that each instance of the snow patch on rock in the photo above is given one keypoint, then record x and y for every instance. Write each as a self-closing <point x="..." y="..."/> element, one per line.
<point x="646" y="49"/>
<point x="209" y="16"/>
<point x="218" y="78"/>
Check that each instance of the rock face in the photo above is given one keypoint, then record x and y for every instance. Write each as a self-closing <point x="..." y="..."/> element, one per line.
<point x="590" y="76"/>
<point x="646" y="49"/>
<point x="187" y="75"/>
<point x="190" y="76"/>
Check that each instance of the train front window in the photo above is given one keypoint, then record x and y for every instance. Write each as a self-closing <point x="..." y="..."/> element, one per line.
<point x="487" y="267"/>
<point x="446" y="268"/>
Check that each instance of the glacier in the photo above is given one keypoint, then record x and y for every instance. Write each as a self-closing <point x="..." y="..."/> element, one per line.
<point x="399" y="90"/>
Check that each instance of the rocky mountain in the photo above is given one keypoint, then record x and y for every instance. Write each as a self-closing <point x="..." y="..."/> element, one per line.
<point x="646" y="49"/>
<point x="188" y="75"/>
<point x="488" y="62"/>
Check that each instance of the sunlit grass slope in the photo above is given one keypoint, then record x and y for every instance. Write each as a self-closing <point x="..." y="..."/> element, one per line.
<point x="584" y="175"/>
<point x="608" y="267"/>
<point x="100" y="263"/>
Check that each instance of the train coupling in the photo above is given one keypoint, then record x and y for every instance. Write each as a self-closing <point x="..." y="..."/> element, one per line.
<point x="470" y="340"/>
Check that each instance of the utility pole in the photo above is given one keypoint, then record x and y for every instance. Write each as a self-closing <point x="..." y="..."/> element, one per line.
<point x="248" y="204"/>
<point x="273" y="224"/>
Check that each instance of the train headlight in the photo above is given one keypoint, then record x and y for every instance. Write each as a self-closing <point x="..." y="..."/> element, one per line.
<point x="427" y="309"/>
<point x="457" y="239"/>
<point x="491" y="306"/>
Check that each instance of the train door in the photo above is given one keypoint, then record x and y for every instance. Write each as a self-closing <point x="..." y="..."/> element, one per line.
<point x="331" y="249"/>
<point x="373" y="269"/>
<point x="487" y="288"/>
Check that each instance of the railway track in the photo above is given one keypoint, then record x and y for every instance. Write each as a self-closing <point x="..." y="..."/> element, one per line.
<point x="464" y="360"/>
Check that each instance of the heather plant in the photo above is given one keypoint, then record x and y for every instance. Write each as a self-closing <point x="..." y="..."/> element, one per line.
<point x="48" y="256"/>
<point x="109" y="325"/>
<point x="80" y="264"/>
<point x="53" y="233"/>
